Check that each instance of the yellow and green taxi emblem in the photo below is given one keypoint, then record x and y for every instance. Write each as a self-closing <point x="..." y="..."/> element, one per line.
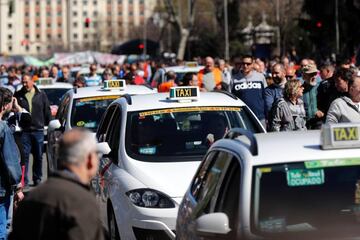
<point x="114" y="84"/>
<point x="184" y="93"/>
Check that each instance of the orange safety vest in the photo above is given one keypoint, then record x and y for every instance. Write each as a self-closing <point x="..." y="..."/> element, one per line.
<point x="165" y="87"/>
<point x="217" y="76"/>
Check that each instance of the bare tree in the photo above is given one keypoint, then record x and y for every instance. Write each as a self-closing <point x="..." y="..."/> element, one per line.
<point x="184" y="29"/>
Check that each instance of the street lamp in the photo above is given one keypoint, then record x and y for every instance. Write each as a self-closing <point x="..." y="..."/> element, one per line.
<point x="226" y="28"/>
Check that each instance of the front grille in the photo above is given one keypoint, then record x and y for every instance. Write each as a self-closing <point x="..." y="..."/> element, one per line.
<point x="149" y="234"/>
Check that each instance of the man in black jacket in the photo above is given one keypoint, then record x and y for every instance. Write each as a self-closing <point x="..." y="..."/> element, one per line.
<point x="37" y="104"/>
<point x="64" y="207"/>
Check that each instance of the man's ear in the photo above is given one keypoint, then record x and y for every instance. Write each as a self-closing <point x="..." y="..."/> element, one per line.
<point x="90" y="161"/>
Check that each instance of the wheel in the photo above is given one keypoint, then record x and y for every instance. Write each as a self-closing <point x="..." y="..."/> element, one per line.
<point x="112" y="225"/>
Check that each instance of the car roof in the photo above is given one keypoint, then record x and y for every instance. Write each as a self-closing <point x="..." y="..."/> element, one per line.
<point x="183" y="69"/>
<point x="98" y="91"/>
<point x="296" y="146"/>
<point x="160" y="101"/>
<point x="61" y="85"/>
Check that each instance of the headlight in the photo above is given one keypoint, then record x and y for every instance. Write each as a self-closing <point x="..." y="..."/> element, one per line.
<point x="150" y="198"/>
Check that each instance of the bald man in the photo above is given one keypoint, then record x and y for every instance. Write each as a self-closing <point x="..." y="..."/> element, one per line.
<point x="64" y="207"/>
<point x="210" y="76"/>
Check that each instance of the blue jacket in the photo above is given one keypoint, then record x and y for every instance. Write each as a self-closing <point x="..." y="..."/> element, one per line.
<point x="10" y="170"/>
<point x="272" y="93"/>
<point x="250" y="89"/>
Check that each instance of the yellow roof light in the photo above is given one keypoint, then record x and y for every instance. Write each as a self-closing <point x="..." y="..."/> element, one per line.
<point x="341" y="135"/>
<point x="191" y="64"/>
<point x="184" y="94"/>
<point x="118" y="84"/>
<point x="45" y="81"/>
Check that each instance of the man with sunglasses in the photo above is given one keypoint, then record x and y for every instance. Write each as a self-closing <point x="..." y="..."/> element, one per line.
<point x="249" y="85"/>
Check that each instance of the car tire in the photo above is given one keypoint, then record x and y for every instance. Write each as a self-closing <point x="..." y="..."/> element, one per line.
<point x="112" y="224"/>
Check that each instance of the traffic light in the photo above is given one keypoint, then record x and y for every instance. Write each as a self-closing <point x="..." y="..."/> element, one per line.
<point x="319" y="24"/>
<point x="87" y="22"/>
<point x="141" y="46"/>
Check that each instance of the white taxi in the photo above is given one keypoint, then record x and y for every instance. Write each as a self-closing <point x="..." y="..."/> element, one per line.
<point x="54" y="91"/>
<point x="84" y="107"/>
<point x="157" y="143"/>
<point x="276" y="186"/>
<point x="180" y="71"/>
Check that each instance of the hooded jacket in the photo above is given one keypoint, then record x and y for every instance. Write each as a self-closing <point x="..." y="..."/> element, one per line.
<point x="343" y="109"/>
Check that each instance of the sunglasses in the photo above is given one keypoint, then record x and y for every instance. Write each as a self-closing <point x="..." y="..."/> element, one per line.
<point x="246" y="63"/>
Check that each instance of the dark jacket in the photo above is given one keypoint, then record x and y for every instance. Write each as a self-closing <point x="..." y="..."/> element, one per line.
<point x="272" y="93"/>
<point x="10" y="170"/>
<point x="326" y="93"/>
<point x="61" y="208"/>
<point x="41" y="113"/>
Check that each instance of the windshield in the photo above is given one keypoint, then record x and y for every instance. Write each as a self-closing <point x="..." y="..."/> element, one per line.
<point x="155" y="135"/>
<point x="311" y="200"/>
<point x="87" y="112"/>
<point x="55" y="94"/>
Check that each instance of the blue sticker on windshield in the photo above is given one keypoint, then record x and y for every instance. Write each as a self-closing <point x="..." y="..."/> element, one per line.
<point x="90" y="125"/>
<point x="147" y="150"/>
<point x="80" y="104"/>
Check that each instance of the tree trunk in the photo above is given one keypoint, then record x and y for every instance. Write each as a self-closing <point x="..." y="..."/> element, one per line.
<point x="182" y="45"/>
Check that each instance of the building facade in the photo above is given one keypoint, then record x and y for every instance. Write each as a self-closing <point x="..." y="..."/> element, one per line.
<point x="40" y="27"/>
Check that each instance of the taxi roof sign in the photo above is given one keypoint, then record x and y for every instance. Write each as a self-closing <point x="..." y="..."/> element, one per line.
<point x="182" y="94"/>
<point x="341" y="135"/>
<point x="191" y="64"/>
<point x="119" y="84"/>
<point x="45" y="81"/>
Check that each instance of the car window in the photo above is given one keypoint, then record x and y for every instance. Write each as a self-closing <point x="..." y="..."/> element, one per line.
<point x="319" y="199"/>
<point x="104" y="124"/>
<point x="158" y="135"/>
<point x="113" y="133"/>
<point x="228" y="197"/>
<point x="87" y="112"/>
<point x="199" y="176"/>
<point x="55" y="94"/>
<point x="210" y="183"/>
<point x="63" y="109"/>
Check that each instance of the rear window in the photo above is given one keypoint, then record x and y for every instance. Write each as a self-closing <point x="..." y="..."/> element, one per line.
<point x="55" y="94"/>
<point x="308" y="200"/>
<point x="87" y="112"/>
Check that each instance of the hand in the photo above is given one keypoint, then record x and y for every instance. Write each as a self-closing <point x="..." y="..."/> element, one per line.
<point x="16" y="106"/>
<point x="319" y="114"/>
<point x="210" y="138"/>
<point x="19" y="196"/>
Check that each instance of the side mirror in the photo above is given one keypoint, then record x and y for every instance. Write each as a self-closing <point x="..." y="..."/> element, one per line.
<point x="103" y="148"/>
<point x="213" y="223"/>
<point x="54" y="125"/>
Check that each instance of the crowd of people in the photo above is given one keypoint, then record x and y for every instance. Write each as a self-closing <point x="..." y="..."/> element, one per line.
<point x="285" y="96"/>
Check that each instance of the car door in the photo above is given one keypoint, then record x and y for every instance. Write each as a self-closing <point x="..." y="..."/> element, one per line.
<point x="108" y="131"/>
<point x="207" y="189"/>
<point x="54" y="135"/>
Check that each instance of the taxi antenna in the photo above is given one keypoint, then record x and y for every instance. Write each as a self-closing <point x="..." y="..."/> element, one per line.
<point x="235" y="132"/>
<point x="128" y="98"/>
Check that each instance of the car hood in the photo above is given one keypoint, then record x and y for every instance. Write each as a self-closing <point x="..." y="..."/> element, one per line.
<point x="171" y="178"/>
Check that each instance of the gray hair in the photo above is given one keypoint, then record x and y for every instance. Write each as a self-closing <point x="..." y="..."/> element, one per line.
<point x="74" y="147"/>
